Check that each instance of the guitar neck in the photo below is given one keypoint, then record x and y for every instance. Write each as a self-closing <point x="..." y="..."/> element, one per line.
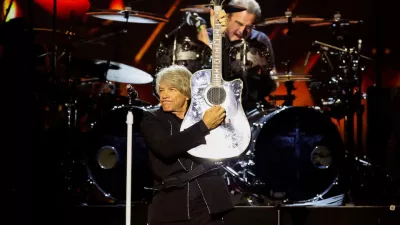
<point x="216" y="75"/>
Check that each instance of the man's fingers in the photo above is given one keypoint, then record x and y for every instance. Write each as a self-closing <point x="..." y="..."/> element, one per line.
<point x="223" y="115"/>
<point x="221" y="13"/>
<point x="221" y="110"/>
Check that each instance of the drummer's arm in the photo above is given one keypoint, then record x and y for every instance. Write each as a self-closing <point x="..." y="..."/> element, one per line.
<point x="193" y="19"/>
<point x="202" y="35"/>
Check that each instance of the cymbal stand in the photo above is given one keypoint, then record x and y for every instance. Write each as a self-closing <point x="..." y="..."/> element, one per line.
<point x="359" y="96"/>
<point x="352" y="90"/>
<point x="353" y="95"/>
<point x="123" y="31"/>
<point x="70" y="104"/>
<point x="351" y="70"/>
<point x="288" y="84"/>
<point x="73" y="98"/>
<point x="288" y="15"/>
<point x="54" y="61"/>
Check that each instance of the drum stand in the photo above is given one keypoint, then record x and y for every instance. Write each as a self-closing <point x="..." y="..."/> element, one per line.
<point x="288" y="100"/>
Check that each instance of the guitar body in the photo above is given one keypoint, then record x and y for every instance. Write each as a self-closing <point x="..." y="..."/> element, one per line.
<point x="231" y="138"/>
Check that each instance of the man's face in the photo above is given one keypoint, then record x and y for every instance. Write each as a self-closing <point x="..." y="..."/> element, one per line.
<point x="238" y="22"/>
<point x="171" y="99"/>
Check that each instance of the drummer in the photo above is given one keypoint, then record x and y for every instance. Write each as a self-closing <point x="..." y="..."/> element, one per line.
<point x="237" y="26"/>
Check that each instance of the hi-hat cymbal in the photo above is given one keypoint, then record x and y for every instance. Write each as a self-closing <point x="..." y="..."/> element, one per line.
<point x="285" y="20"/>
<point x="206" y="8"/>
<point x="48" y="37"/>
<point x="48" y="32"/>
<point x="128" y="15"/>
<point x="341" y="22"/>
<point x="282" y="77"/>
<point x="122" y="73"/>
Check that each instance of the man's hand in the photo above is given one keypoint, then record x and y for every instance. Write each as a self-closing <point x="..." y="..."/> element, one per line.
<point x="222" y="18"/>
<point x="214" y="116"/>
<point x="193" y="19"/>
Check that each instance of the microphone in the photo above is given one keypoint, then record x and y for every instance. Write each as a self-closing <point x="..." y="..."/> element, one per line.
<point x="176" y="29"/>
<point x="185" y="21"/>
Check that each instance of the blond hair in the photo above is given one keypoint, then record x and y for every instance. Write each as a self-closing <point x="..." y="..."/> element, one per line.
<point x="177" y="76"/>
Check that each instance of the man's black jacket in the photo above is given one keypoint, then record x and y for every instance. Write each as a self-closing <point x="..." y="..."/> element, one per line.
<point x="168" y="158"/>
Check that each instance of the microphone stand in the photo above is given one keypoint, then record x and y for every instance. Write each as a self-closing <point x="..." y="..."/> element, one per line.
<point x="129" y="122"/>
<point x="132" y="93"/>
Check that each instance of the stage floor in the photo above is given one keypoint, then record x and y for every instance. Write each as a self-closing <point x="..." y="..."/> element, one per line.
<point x="245" y="215"/>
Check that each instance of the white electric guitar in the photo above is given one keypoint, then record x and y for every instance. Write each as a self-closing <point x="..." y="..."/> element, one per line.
<point x="208" y="88"/>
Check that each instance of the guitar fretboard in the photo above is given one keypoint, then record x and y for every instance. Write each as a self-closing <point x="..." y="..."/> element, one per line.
<point x="216" y="75"/>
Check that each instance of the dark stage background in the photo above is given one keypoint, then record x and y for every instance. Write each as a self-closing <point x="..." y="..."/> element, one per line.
<point x="31" y="176"/>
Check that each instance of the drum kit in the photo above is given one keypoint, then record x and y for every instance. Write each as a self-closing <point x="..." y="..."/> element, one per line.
<point x="296" y="156"/>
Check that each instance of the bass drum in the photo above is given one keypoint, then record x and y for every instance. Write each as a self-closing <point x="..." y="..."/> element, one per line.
<point x="106" y="150"/>
<point x="298" y="153"/>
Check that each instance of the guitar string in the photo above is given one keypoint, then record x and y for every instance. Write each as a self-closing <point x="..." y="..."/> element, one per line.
<point x="219" y="46"/>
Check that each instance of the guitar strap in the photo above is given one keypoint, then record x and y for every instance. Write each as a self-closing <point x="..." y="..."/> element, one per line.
<point x="181" y="180"/>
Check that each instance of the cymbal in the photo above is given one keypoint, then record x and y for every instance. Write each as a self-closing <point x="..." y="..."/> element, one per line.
<point x="122" y="73"/>
<point x="206" y="8"/>
<point x="330" y="22"/>
<point x="43" y="35"/>
<point x="282" y="77"/>
<point x="285" y="20"/>
<point x="133" y="16"/>
<point x="49" y="30"/>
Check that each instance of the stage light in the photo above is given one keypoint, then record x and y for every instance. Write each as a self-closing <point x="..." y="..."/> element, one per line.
<point x="14" y="10"/>
<point x="117" y="4"/>
<point x="65" y="7"/>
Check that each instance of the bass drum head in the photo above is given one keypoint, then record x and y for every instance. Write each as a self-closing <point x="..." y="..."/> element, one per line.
<point x="298" y="153"/>
<point x="106" y="155"/>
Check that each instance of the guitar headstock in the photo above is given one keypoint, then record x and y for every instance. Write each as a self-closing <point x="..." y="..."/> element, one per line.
<point x="217" y="2"/>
